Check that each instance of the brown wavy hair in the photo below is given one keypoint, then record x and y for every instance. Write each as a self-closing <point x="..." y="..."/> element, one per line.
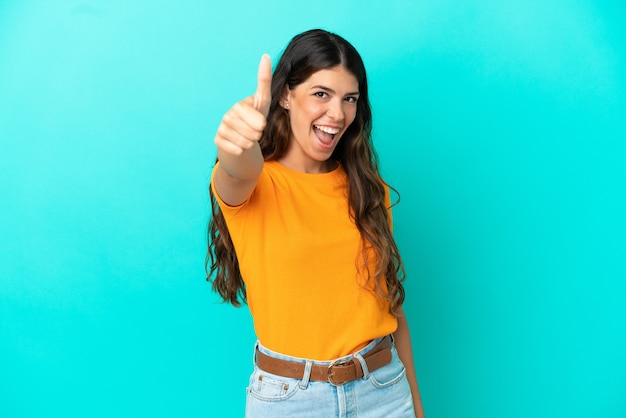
<point x="306" y="54"/>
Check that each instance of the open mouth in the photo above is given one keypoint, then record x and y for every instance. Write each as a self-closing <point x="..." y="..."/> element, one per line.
<point x="326" y="134"/>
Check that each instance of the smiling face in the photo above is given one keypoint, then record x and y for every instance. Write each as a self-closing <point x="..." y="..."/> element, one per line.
<point x="320" y="110"/>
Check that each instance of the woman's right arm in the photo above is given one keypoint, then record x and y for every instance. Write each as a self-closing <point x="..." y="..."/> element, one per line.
<point x="237" y="141"/>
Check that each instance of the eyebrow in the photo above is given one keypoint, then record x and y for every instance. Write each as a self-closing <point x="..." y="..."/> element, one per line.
<point x="356" y="93"/>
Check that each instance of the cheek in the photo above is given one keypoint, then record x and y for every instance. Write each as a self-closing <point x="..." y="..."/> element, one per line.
<point x="350" y="116"/>
<point x="296" y="118"/>
<point x="300" y="124"/>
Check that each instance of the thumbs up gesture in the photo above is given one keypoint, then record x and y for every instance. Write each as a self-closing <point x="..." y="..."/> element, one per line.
<point x="243" y="124"/>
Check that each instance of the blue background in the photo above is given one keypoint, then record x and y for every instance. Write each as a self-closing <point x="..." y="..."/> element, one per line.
<point x="502" y="124"/>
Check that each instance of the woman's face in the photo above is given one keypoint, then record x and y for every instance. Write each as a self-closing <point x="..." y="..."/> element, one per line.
<point x="320" y="110"/>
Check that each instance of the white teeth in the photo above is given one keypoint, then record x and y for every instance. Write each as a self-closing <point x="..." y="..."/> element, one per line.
<point x="328" y="130"/>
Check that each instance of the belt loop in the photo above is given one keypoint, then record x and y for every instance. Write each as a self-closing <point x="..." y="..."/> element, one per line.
<point x="256" y="348"/>
<point x="366" y="372"/>
<point x="307" y="375"/>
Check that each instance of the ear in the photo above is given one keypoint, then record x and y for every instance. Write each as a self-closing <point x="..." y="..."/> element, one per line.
<point x="284" y="98"/>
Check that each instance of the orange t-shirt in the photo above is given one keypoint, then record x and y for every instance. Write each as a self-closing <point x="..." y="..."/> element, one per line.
<point x="299" y="253"/>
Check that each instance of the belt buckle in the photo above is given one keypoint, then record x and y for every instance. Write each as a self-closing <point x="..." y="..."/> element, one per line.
<point x="330" y="371"/>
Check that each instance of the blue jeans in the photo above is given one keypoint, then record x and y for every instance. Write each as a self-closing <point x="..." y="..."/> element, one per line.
<point x="383" y="393"/>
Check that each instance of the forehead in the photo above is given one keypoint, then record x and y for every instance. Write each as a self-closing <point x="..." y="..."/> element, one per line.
<point x="337" y="78"/>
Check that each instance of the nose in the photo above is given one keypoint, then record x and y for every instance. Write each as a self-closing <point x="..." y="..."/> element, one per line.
<point x="335" y="110"/>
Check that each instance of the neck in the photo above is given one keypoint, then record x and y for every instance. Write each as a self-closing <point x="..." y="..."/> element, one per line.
<point x="310" y="168"/>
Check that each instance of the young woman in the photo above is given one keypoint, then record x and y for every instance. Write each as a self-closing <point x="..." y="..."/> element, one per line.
<point x="301" y="231"/>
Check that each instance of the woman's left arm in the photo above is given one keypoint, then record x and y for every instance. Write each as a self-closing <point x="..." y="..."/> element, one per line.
<point x="402" y="339"/>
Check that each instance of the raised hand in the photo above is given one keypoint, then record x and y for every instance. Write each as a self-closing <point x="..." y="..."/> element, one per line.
<point x="243" y="124"/>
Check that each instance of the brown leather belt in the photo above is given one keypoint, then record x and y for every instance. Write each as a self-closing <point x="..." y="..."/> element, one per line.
<point x="337" y="373"/>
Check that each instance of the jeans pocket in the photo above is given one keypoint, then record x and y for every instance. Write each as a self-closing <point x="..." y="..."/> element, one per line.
<point x="269" y="387"/>
<point x="390" y="374"/>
